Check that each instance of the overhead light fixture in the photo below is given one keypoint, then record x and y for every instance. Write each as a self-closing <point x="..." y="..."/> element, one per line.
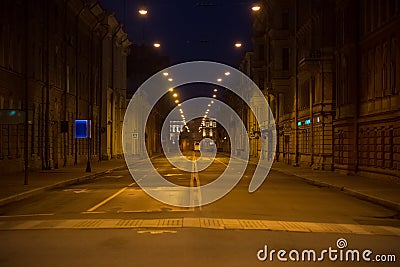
<point x="256" y="8"/>
<point x="215" y="90"/>
<point x="165" y="73"/>
<point x="143" y="11"/>
<point x="238" y="44"/>
<point x="219" y="80"/>
<point x="170" y="79"/>
<point x="157" y="45"/>
<point x="227" y="73"/>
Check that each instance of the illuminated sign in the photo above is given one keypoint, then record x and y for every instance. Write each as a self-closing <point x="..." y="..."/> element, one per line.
<point x="83" y="128"/>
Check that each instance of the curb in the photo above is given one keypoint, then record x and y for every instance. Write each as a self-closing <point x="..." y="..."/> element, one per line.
<point x="36" y="191"/>
<point x="363" y="196"/>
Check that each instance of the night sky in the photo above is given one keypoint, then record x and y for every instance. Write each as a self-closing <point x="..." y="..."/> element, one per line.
<point x="189" y="29"/>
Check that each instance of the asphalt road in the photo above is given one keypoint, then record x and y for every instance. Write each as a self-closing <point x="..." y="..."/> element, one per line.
<point x="43" y="230"/>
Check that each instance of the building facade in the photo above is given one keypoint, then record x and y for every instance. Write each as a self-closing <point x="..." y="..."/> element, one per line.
<point x="329" y="70"/>
<point x="60" y="61"/>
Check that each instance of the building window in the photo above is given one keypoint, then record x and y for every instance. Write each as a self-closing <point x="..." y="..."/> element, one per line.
<point x="285" y="19"/>
<point x="285" y="58"/>
<point x="261" y="52"/>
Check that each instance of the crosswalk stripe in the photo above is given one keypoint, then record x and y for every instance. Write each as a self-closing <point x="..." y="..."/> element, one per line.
<point x="206" y="223"/>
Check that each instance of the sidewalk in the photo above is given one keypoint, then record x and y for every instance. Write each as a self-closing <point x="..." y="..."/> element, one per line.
<point x="13" y="188"/>
<point x="385" y="192"/>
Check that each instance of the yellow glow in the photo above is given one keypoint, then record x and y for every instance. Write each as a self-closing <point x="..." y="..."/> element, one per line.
<point x="175" y="95"/>
<point x="256" y="8"/>
<point x="238" y="45"/>
<point x="214" y="96"/>
<point x="170" y="79"/>
<point x="165" y="73"/>
<point x="177" y="101"/>
<point x="143" y="12"/>
<point x="171" y="89"/>
<point x="156" y="45"/>
<point x="227" y="73"/>
<point x="219" y="80"/>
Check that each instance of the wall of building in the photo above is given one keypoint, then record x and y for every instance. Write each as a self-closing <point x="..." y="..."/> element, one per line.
<point x="61" y="61"/>
<point x="330" y="71"/>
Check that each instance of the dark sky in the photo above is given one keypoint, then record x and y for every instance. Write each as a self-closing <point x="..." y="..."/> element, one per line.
<point x="188" y="31"/>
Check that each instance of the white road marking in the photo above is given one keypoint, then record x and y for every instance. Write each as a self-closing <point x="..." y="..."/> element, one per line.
<point x="109" y="198"/>
<point x="26" y="215"/>
<point x="77" y="191"/>
<point x="173" y="224"/>
<point x="113" y="176"/>
<point x="226" y="165"/>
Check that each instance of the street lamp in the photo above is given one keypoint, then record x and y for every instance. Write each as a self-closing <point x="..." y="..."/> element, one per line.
<point x="238" y="44"/>
<point x="256" y="8"/>
<point x="143" y="11"/>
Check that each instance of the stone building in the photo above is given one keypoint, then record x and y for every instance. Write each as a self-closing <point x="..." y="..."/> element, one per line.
<point x="328" y="70"/>
<point x="60" y="61"/>
<point x="367" y="58"/>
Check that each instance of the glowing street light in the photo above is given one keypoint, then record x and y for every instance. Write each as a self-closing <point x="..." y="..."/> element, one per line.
<point x="214" y="96"/>
<point x="177" y="101"/>
<point x="238" y="44"/>
<point x="215" y="90"/>
<point x="256" y="8"/>
<point x="157" y="45"/>
<point x="219" y="80"/>
<point x="143" y="12"/>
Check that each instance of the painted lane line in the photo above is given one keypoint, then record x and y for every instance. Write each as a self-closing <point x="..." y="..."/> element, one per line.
<point x="226" y="165"/>
<point x="109" y="198"/>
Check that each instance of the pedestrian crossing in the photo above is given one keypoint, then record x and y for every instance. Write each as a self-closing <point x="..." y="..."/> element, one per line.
<point x="202" y="223"/>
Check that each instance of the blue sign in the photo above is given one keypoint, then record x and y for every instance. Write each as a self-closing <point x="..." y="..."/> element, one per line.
<point x="83" y="129"/>
<point x="12" y="116"/>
